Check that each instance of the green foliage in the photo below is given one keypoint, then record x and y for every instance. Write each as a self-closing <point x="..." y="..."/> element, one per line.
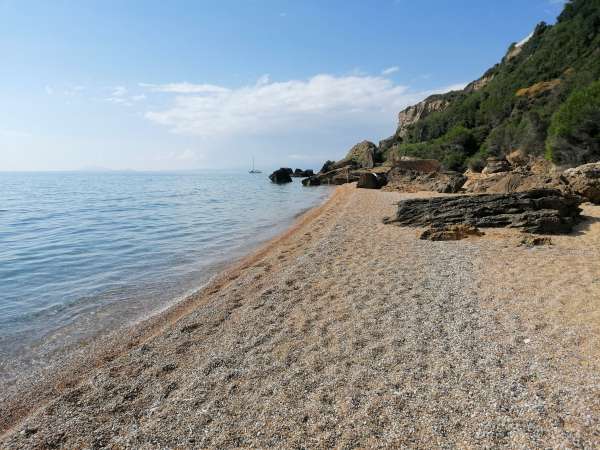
<point x="451" y="149"/>
<point x="566" y="54"/>
<point x="574" y="134"/>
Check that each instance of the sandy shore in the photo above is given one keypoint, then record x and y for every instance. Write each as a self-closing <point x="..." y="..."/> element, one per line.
<point x="345" y="332"/>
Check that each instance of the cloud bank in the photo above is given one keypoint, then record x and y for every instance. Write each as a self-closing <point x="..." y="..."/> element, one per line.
<point x="268" y="107"/>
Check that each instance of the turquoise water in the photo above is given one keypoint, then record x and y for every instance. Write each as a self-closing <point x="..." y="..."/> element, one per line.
<point x="84" y="253"/>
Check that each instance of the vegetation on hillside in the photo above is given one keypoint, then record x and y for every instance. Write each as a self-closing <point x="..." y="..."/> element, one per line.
<point x="543" y="99"/>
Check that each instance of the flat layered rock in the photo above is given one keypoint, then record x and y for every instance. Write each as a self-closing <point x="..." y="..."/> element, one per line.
<point x="545" y="211"/>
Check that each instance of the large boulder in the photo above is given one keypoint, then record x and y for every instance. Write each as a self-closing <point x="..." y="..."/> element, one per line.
<point x="363" y="155"/>
<point x="281" y="176"/>
<point x="370" y="180"/>
<point x="585" y="181"/>
<point x="311" y="181"/>
<point x="546" y="211"/>
<point x="299" y="173"/>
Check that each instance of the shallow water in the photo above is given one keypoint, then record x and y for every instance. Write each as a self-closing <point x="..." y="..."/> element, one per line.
<point x="84" y="253"/>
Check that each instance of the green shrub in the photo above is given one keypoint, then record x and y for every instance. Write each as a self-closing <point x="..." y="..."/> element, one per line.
<point x="574" y="134"/>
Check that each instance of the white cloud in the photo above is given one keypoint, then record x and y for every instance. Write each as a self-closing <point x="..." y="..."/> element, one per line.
<point x="120" y="95"/>
<point x="280" y="107"/>
<point x="184" y="88"/>
<point x="390" y="70"/>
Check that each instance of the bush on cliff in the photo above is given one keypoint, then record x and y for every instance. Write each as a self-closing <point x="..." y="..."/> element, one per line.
<point x="517" y="107"/>
<point x="574" y="134"/>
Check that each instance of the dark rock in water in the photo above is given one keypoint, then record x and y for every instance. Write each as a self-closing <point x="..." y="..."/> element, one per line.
<point x="281" y="176"/>
<point x="585" y="181"/>
<point x="303" y="173"/>
<point x="311" y="181"/>
<point x="371" y="181"/>
<point x="546" y="211"/>
<point x="450" y="232"/>
<point x="287" y="170"/>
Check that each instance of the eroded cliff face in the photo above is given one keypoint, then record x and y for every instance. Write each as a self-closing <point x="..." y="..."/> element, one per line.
<point x="414" y="113"/>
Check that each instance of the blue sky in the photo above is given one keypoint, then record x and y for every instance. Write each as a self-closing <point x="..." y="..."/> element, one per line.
<point x="154" y="85"/>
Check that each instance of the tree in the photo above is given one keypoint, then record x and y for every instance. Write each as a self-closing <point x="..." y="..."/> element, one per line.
<point x="574" y="134"/>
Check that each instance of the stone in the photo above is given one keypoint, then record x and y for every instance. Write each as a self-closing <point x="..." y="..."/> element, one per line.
<point x="585" y="181"/>
<point x="517" y="158"/>
<point x="541" y="211"/>
<point x="533" y="241"/>
<point x="363" y="155"/>
<point x="407" y="180"/>
<point x="450" y="232"/>
<point x="311" y="181"/>
<point x="299" y="173"/>
<point x="413" y="114"/>
<point x="281" y="176"/>
<point x="496" y="165"/>
<point x="368" y="181"/>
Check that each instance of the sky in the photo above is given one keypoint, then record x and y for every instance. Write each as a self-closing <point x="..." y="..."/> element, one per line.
<point x="181" y="85"/>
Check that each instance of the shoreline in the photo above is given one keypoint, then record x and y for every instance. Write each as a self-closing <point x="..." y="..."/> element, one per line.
<point x="343" y="331"/>
<point x="106" y="347"/>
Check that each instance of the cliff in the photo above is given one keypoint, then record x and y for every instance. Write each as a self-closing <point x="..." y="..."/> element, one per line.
<point x="532" y="100"/>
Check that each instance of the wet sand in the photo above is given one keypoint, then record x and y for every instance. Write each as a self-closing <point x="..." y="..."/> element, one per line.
<point x="344" y="332"/>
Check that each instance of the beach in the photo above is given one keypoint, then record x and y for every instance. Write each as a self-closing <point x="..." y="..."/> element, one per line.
<point x="345" y="332"/>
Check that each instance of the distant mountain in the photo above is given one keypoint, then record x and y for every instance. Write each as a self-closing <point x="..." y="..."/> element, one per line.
<point x="542" y="98"/>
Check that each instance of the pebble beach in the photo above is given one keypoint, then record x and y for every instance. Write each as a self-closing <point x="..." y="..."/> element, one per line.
<point x="344" y="332"/>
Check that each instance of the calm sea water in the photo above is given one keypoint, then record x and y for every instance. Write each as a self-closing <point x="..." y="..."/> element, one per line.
<point x="84" y="253"/>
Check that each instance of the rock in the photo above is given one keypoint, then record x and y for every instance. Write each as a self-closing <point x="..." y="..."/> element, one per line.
<point x="363" y="155"/>
<point x="536" y="174"/>
<point x="413" y="114"/>
<point x="281" y="176"/>
<point x="417" y="164"/>
<point x="546" y="211"/>
<point x="496" y="165"/>
<point x="585" y="181"/>
<point x="311" y="181"/>
<point x="299" y="173"/>
<point x="450" y="232"/>
<point x="327" y="166"/>
<point x="517" y="158"/>
<point x="287" y="170"/>
<point x="369" y="181"/>
<point x="532" y="241"/>
<point x="406" y="180"/>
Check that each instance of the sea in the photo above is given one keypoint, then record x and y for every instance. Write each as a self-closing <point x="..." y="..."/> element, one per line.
<point x="85" y="253"/>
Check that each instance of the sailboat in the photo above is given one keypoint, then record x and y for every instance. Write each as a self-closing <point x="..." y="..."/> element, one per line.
<point x="253" y="170"/>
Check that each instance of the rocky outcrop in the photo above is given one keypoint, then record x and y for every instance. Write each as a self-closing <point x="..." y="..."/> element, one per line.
<point x="496" y="165"/>
<point x="523" y="174"/>
<point x="585" y="181"/>
<point x="299" y="173"/>
<point x="281" y="176"/>
<point x="545" y="211"/>
<point x="408" y="180"/>
<point x="450" y="232"/>
<point x="363" y="155"/>
<point x="413" y="114"/>
<point x="417" y="164"/>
